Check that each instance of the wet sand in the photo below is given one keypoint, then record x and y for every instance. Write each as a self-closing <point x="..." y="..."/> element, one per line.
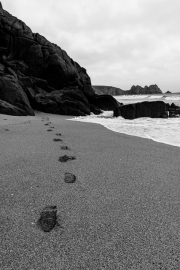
<point x="122" y="212"/>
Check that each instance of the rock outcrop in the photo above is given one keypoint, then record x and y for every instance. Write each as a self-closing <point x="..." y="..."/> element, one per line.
<point x="174" y="110"/>
<point x="135" y="90"/>
<point x="37" y="74"/>
<point x="154" y="109"/>
<point x="7" y="108"/>
<point x="12" y="92"/>
<point x="108" y="90"/>
<point x="138" y="90"/>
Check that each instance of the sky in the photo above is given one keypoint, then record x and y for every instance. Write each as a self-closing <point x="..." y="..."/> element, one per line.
<point x="120" y="42"/>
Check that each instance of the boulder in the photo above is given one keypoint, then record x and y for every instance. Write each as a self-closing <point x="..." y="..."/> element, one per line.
<point x="7" y="108"/>
<point x="65" y="102"/>
<point x="94" y="109"/>
<point x="104" y="102"/>
<point x="173" y="107"/>
<point x="174" y="110"/>
<point x="154" y="109"/>
<point x="12" y="92"/>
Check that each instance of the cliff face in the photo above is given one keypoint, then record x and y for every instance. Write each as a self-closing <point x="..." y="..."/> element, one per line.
<point x="37" y="74"/>
<point x="135" y="90"/>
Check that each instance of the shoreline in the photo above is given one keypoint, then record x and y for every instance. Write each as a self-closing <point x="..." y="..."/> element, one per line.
<point x="122" y="211"/>
<point x="114" y="129"/>
<point x="136" y="136"/>
<point x="12" y="120"/>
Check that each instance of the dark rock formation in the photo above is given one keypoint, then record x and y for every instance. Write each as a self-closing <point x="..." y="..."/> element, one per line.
<point x="95" y="109"/>
<point x="173" y="106"/>
<point x="174" y="110"/>
<point x="168" y="92"/>
<point x="135" y="90"/>
<point x="138" y="90"/>
<point x="37" y="74"/>
<point x="63" y="102"/>
<point x="104" y="102"/>
<point x="12" y="92"/>
<point x="154" y="109"/>
<point x="7" y="108"/>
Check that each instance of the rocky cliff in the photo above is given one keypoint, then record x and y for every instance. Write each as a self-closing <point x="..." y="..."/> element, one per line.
<point x="36" y="74"/>
<point x="135" y="90"/>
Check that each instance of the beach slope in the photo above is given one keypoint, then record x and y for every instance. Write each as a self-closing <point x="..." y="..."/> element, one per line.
<point x="122" y="212"/>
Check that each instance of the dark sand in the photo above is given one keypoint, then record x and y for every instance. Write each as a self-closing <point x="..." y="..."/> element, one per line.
<point x="122" y="212"/>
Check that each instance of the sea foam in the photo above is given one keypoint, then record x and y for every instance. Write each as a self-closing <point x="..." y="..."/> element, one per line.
<point x="157" y="129"/>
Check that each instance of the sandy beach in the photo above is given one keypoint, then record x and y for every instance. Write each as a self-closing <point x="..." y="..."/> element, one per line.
<point x="122" y="212"/>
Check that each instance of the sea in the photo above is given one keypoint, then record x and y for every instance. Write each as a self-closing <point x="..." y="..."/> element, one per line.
<point x="157" y="129"/>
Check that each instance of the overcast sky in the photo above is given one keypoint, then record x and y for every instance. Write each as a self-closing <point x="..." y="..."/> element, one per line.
<point x="120" y="42"/>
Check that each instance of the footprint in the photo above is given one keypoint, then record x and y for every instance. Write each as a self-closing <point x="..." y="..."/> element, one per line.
<point x="65" y="148"/>
<point x="66" y="158"/>
<point x="48" y="218"/>
<point x="57" y="140"/>
<point x="58" y="134"/>
<point x="46" y="124"/>
<point x="69" y="178"/>
<point x="49" y="129"/>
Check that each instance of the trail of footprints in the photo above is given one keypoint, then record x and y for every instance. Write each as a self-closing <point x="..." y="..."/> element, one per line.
<point x="48" y="217"/>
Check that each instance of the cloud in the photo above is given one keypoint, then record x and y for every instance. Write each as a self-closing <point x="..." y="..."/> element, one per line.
<point x="119" y="42"/>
